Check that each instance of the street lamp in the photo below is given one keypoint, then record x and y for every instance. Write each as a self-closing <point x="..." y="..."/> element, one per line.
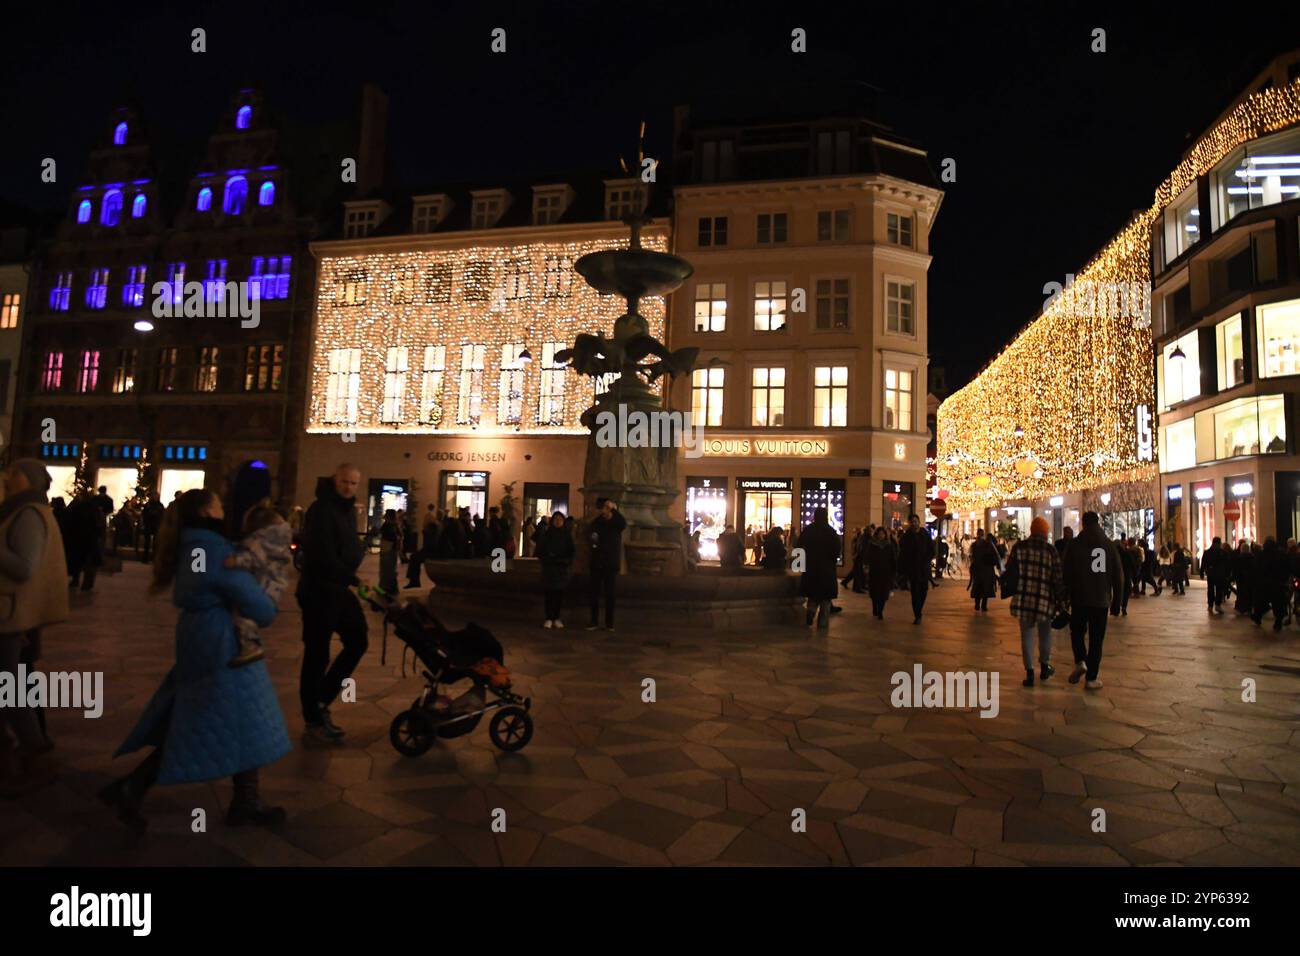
<point x="143" y="325"/>
<point x="525" y="356"/>
<point x="1177" y="356"/>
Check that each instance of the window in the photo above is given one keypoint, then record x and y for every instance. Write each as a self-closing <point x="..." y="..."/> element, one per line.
<point x="133" y="288"/>
<point x="832" y="224"/>
<point x="435" y="363"/>
<point x="61" y="292"/>
<point x="88" y="371"/>
<point x="899" y="229"/>
<point x="139" y="206"/>
<point x="1178" y="446"/>
<point x="900" y="307"/>
<point x="713" y="231"/>
<point x="270" y="277"/>
<point x="547" y="208"/>
<point x="9" y="310"/>
<point x="166" y="370"/>
<point x="832" y="304"/>
<point x="110" y="211"/>
<point x="205" y="380"/>
<point x="550" y="407"/>
<point x="469" y="398"/>
<point x="1180" y="378"/>
<point x="771" y="227"/>
<point x="477" y="280"/>
<point x="262" y="367"/>
<point x="214" y="283"/>
<point x="717" y="159"/>
<point x="359" y="222"/>
<point x="394" y="384"/>
<point x="486" y="212"/>
<point x="517" y="279"/>
<point x="898" y="399"/>
<point x="623" y="201"/>
<point x="768" y="397"/>
<point x="830" y="396"/>
<point x="176" y="280"/>
<point x="769" y="306"/>
<point x="243" y="117"/>
<point x="343" y="386"/>
<point x="834" y="151"/>
<point x="1247" y="426"/>
<point x="97" y="290"/>
<point x="425" y="217"/>
<point x="706" y="396"/>
<point x="711" y="307"/>
<point x="1265" y="172"/>
<point x="204" y="202"/>
<point x="1232" y="362"/>
<point x="84" y="210"/>
<point x="124" y="371"/>
<point x="52" y="372"/>
<point x="557" y="279"/>
<point x="1182" y="224"/>
<point x="405" y="285"/>
<point x="510" y="391"/>
<point x="1279" y="338"/>
<point x="266" y="194"/>
<point x="119" y="134"/>
<point x="235" y="197"/>
<point x="437" y="283"/>
<point x="352" y="287"/>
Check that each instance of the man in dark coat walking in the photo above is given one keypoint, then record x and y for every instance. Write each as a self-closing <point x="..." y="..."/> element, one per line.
<point x="1094" y="579"/>
<point x="331" y="554"/>
<point x="606" y="536"/>
<point x="1216" y="566"/>
<point x="819" y="585"/>
<point x="915" y="552"/>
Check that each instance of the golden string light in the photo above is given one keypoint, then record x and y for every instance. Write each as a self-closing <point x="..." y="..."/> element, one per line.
<point x="1074" y="378"/>
<point x="523" y="294"/>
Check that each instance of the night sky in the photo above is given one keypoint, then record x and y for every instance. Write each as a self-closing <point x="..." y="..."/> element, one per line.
<point x="1055" y="145"/>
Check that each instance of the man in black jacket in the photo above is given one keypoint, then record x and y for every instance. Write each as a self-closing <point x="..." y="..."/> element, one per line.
<point x="331" y="554"/>
<point x="606" y="536"/>
<point x="914" y="554"/>
<point x="1094" y="578"/>
<point x="1216" y="566"/>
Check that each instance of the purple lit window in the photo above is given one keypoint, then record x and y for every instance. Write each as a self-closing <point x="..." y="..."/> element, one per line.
<point x="52" y="372"/>
<point x="83" y="211"/>
<point x="111" y="211"/>
<point x="243" y="117"/>
<point x="270" y="277"/>
<point x="119" y="135"/>
<point x="97" y="290"/>
<point x="133" y="288"/>
<point x="205" y="199"/>
<point x="138" y="206"/>
<point x="266" y="195"/>
<point x="61" y="292"/>
<point x="236" y="196"/>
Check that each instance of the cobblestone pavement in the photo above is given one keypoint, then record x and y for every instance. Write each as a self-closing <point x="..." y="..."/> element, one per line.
<point x="746" y="729"/>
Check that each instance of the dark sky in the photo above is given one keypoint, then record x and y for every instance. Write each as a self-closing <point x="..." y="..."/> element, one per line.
<point x="1055" y="145"/>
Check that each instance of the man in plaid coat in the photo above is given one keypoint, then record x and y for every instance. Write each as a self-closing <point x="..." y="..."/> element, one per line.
<point x="1040" y="593"/>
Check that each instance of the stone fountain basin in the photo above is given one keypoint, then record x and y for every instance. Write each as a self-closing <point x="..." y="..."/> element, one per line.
<point x="633" y="272"/>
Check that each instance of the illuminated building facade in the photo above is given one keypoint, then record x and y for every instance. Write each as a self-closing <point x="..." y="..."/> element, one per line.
<point x="809" y="234"/>
<point x="1156" y="387"/>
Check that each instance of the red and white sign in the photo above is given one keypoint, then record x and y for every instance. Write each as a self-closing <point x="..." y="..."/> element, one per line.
<point x="1232" y="510"/>
<point x="938" y="507"/>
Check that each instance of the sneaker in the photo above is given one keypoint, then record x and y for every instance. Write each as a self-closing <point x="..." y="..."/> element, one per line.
<point x="593" y="627"/>
<point x="1046" y="671"/>
<point x="1080" y="668"/>
<point x="557" y="623"/>
<point x="334" y="729"/>
<point x="609" y="628"/>
<point x="1094" y="684"/>
<point x="547" y="624"/>
<point x="257" y="814"/>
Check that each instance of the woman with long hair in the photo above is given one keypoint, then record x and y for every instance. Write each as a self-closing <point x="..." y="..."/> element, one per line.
<point x="207" y="719"/>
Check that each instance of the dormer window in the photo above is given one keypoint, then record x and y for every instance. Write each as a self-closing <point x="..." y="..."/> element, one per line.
<point x="360" y="219"/>
<point x="427" y="212"/>
<point x="549" y="203"/>
<point x="119" y="135"/>
<point x="624" y="197"/>
<point x="488" y="208"/>
<point x="243" y="117"/>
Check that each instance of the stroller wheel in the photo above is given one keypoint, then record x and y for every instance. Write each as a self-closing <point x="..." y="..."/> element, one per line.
<point x="411" y="733"/>
<point x="511" y="728"/>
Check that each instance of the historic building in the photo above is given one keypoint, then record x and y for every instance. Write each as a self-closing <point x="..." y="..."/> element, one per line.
<point x="438" y="319"/>
<point x="169" y="316"/>
<point x="809" y="232"/>
<point x="15" y="269"/>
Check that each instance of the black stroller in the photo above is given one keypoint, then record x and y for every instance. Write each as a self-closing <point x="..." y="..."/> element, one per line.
<point x="450" y="657"/>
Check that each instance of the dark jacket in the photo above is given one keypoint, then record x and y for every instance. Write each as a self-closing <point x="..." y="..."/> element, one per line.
<point x="1216" y="564"/>
<point x="820" y="581"/>
<point x="984" y="564"/>
<point x="331" y="550"/>
<point x="731" y="552"/>
<point x="773" y="552"/>
<point x="555" y="551"/>
<point x="882" y="565"/>
<point x="151" y="516"/>
<point x="606" y="537"/>
<point x="914" y="553"/>
<point x="1094" y="575"/>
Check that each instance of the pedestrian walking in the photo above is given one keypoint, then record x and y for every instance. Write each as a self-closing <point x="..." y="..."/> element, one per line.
<point x="85" y="526"/>
<point x="882" y="569"/>
<point x="818" y="584"/>
<point x="553" y="547"/>
<point x="1271" y="581"/>
<point x="1094" y="581"/>
<point x="1036" y="568"/>
<point x="1243" y="566"/>
<point x="151" y="518"/>
<point x="606" y="540"/>
<point x="915" y="552"/>
<point x="984" y="569"/>
<point x="1216" y="568"/>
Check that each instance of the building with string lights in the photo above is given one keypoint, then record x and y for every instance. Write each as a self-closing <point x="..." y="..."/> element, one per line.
<point x="1157" y="387"/>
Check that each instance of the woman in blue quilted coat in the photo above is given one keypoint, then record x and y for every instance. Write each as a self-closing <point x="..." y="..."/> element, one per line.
<point x="208" y="719"/>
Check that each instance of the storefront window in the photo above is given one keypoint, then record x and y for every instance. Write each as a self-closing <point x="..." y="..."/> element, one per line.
<point x="1240" y="490"/>
<point x="1203" y="517"/>
<point x="1279" y="338"/>
<point x="766" y="503"/>
<point x="1248" y="426"/>
<point x="896" y="503"/>
<point x="1178" y="445"/>
<point x="1182" y="224"/>
<point x="1180" y="370"/>
<point x="706" y="512"/>
<point x="825" y="493"/>
<point x="465" y="489"/>
<point x="1232" y="362"/>
<point x="1265" y="172"/>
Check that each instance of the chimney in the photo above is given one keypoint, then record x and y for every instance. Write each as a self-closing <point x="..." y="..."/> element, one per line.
<point x="374" y="130"/>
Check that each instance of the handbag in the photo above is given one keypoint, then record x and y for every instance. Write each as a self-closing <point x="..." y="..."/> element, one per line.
<point x="1010" y="580"/>
<point x="1062" y="618"/>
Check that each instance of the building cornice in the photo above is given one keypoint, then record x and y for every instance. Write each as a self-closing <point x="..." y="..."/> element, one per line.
<point x="494" y="236"/>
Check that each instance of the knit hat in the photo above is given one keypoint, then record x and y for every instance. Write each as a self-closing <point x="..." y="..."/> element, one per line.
<point x="1039" y="527"/>
<point x="33" y="469"/>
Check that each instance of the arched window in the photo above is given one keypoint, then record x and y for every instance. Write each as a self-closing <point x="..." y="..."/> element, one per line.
<point x="205" y="199"/>
<point x="243" y="117"/>
<point x="83" y="211"/>
<point x="236" y="195"/>
<point x="138" y="206"/>
<point x="119" y="135"/>
<point x="266" y="195"/>
<point x="111" y="210"/>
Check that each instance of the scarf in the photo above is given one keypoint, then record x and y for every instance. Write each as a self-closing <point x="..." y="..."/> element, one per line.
<point x="29" y="497"/>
